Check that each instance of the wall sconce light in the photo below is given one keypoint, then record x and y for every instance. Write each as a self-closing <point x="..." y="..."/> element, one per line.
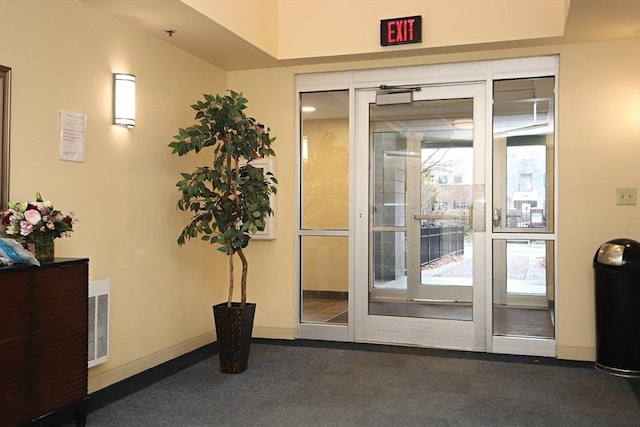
<point x="124" y="100"/>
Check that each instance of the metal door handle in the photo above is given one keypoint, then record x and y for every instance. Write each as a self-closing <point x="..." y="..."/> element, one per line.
<point x="436" y="216"/>
<point x="497" y="216"/>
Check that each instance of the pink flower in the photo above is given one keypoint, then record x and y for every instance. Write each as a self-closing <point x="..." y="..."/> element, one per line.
<point x="33" y="216"/>
<point x="25" y="228"/>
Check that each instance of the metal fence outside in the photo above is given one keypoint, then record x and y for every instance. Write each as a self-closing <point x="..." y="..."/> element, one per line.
<point x="438" y="241"/>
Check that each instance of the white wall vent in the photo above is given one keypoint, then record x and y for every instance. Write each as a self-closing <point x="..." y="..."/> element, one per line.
<point x="98" y="322"/>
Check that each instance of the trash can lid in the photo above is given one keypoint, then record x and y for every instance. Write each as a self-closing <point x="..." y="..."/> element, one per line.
<point x="619" y="252"/>
<point x="611" y="254"/>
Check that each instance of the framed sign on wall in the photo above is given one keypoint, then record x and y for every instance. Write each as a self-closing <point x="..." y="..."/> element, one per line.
<point x="267" y="166"/>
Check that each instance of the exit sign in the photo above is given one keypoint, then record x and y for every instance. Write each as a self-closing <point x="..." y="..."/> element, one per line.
<point x="401" y="30"/>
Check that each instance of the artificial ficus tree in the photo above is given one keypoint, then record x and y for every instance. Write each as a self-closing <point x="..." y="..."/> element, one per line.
<point x="229" y="198"/>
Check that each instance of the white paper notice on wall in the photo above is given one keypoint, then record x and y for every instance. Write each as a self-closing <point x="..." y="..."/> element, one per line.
<point x="73" y="132"/>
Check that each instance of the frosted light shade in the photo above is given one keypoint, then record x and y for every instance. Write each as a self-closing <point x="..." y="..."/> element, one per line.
<point x="124" y="100"/>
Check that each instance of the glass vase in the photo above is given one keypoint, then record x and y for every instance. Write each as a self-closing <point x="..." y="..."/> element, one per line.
<point x="44" y="248"/>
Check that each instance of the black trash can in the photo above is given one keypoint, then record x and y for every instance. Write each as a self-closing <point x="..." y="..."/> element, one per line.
<point x="617" y="283"/>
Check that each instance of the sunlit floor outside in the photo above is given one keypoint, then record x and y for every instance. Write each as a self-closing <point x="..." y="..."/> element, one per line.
<point x="526" y="276"/>
<point x="525" y="271"/>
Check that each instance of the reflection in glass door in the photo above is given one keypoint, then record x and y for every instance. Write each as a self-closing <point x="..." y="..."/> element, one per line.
<point x="424" y="175"/>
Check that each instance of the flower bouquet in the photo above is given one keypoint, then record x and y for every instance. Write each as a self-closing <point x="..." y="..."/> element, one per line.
<point x="37" y="222"/>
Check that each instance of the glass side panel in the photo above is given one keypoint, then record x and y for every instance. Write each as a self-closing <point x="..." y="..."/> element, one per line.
<point x="523" y="288"/>
<point x="523" y="141"/>
<point x="325" y="160"/>
<point x="325" y="286"/>
<point x="324" y="172"/>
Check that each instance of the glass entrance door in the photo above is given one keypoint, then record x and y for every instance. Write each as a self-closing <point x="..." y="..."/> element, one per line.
<point x="426" y="202"/>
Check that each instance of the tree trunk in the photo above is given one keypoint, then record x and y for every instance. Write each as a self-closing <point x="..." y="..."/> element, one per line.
<point x="231" y="281"/>
<point x="243" y="280"/>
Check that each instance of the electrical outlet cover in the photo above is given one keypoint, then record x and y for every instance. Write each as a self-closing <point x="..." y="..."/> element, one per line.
<point x="626" y="196"/>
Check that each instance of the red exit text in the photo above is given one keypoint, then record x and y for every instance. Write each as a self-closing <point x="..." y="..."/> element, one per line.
<point x="401" y="30"/>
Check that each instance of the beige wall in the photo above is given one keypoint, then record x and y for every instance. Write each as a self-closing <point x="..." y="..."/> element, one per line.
<point x="254" y="20"/>
<point x="342" y="28"/>
<point x="599" y="150"/>
<point x="281" y="28"/>
<point x="63" y="54"/>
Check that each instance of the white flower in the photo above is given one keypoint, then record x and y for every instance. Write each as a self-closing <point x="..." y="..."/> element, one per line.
<point x="21" y="206"/>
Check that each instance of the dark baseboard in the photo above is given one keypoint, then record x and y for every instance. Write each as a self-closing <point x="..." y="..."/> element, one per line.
<point x="110" y="394"/>
<point x="434" y="352"/>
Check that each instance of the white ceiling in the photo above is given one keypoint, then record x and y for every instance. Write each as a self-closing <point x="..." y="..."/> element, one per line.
<point x="588" y="20"/>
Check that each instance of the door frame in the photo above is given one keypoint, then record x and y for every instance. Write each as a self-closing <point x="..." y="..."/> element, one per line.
<point x="426" y="332"/>
<point x="439" y="74"/>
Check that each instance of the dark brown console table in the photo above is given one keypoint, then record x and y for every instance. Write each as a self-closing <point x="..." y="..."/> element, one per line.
<point x="43" y="341"/>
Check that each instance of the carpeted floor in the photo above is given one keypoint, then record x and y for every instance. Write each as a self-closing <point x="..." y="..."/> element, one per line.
<point x="343" y="384"/>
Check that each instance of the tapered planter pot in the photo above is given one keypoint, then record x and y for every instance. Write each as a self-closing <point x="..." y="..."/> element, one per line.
<point x="234" y="326"/>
